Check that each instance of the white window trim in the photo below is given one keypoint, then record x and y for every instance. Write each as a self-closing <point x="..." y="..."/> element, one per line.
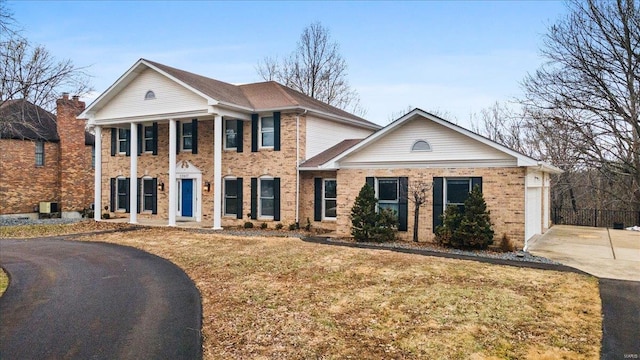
<point x="260" y="216"/>
<point x="142" y="196"/>
<point x="324" y="202"/>
<point x="224" y="196"/>
<point x="224" y="135"/>
<point x="117" y="208"/>
<point x="419" y="141"/>
<point x="120" y="140"/>
<point x="445" y="196"/>
<point x="260" y="132"/>
<point x="377" y="191"/>
<point x="182" y="136"/>
<point x="145" y="138"/>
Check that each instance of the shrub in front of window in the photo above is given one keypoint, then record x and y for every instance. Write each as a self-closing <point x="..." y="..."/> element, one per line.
<point x="264" y="226"/>
<point x="279" y="226"/>
<point x="248" y="225"/>
<point x="472" y="229"/>
<point x="369" y="225"/>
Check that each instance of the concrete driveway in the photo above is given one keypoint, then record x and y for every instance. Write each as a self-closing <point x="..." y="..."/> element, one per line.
<point x="605" y="253"/>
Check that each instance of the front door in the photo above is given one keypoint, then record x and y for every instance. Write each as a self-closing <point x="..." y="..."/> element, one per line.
<point x="186" y="204"/>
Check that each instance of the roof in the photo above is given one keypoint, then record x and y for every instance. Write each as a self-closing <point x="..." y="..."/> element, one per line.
<point x="20" y="119"/>
<point x="330" y="153"/>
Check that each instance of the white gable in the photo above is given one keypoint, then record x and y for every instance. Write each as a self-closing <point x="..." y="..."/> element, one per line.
<point x="448" y="148"/>
<point x="170" y="98"/>
<point x="323" y="134"/>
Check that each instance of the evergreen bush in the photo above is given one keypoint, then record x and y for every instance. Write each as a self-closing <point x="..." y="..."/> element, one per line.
<point x="369" y="225"/>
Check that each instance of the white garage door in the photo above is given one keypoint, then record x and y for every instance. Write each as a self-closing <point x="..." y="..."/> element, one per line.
<point x="533" y="222"/>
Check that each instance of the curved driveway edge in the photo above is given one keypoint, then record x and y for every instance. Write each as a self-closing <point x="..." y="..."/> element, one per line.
<point x="83" y="300"/>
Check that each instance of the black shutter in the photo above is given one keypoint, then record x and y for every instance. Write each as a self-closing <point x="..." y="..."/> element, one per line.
<point x="112" y="205"/>
<point x="476" y="181"/>
<point x="128" y="137"/>
<point x="403" y="204"/>
<point x="194" y="136"/>
<point x="276" y="131"/>
<point x="276" y="199"/>
<point x="239" y="135"/>
<point x="155" y="139"/>
<point x="139" y="195"/>
<point x="128" y="186"/>
<point x="239" y="198"/>
<point x="178" y="137"/>
<point x="370" y="181"/>
<point x="140" y="138"/>
<point x="254" y="132"/>
<point x="114" y="141"/>
<point x="438" y="201"/>
<point x="317" y="196"/>
<point x="154" y="194"/>
<point x="254" y="198"/>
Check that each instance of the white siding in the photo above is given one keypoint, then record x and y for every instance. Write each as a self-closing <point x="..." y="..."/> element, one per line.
<point x="323" y="134"/>
<point x="170" y="98"/>
<point x="447" y="146"/>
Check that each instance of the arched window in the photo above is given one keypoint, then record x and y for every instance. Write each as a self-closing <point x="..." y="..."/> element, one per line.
<point x="421" y="145"/>
<point x="150" y="95"/>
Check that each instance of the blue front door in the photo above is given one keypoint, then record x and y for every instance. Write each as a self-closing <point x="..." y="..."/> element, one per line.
<point x="187" y="197"/>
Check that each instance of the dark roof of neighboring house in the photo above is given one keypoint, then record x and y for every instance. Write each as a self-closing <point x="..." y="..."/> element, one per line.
<point x="330" y="153"/>
<point x="259" y="96"/>
<point x="23" y="120"/>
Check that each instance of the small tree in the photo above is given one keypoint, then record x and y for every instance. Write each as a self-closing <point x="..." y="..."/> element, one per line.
<point x="447" y="233"/>
<point x="418" y="195"/>
<point x="363" y="214"/>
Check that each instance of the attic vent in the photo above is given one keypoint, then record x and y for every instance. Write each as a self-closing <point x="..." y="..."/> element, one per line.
<point x="421" y="145"/>
<point x="150" y="95"/>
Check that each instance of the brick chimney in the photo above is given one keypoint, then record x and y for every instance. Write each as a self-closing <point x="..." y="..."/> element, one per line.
<point x="76" y="173"/>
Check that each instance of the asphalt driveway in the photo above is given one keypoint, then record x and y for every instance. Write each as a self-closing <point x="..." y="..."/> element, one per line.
<point x="80" y="300"/>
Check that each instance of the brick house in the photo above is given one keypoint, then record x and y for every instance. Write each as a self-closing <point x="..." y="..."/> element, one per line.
<point x="44" y="158"/>
<point x="179" y="146"/>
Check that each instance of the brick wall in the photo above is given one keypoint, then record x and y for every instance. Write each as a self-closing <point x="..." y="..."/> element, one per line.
<point x="503" y="190"/>
<point x="307" y="198"/>
<point x="23" y="183"/>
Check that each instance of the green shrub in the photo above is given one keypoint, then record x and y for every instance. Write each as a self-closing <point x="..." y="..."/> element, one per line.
<point x="369" y="225"/>
<point x="263" y="226"/>
<point x="106" y="216"/>
<point x="248" y="225"/>
<point x="279" y="226"/>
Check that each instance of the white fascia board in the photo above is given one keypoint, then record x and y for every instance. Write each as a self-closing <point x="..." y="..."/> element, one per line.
<point x="217" y="110"/>
<point x="325" y="115"/>
<point x="151" y="118"/>
<point x="316" y="169"/>
<point x="468" y="164"/>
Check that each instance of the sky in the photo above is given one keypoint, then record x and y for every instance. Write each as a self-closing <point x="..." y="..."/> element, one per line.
<point x="450" y="57"/>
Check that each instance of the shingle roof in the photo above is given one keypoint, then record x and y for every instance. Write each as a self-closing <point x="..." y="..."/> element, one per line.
<point x="20" y="119"/>
<point x="258" y="96"/>
<point x="330" y="153"/>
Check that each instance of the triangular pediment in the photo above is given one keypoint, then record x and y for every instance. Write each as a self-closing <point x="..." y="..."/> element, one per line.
<point x="185" y="167"/>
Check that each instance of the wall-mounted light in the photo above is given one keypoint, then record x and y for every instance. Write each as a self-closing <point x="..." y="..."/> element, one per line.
<point x="207" y="186"/>
<point x="161" y="186"/>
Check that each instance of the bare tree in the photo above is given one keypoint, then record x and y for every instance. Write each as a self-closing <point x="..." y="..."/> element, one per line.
<point x="591" y="85"/>
<point x="419" y="193"/>
<point x="316" y="68"/>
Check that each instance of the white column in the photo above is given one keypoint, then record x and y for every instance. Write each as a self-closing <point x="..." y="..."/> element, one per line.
<point x="97" y="175"/>
<point x="217" y="172"/>
<point x="173" y="183"/>
<point x="133" y="182"/>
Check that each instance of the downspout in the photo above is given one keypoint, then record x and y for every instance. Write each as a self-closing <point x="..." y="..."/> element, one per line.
<point x="298" y="166"/>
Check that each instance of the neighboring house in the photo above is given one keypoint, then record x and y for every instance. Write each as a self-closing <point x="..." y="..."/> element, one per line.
<point x="44" y="158"/>
<point x="180" y="146"/>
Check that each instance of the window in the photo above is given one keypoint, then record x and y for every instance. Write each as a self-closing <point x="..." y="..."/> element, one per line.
<point x="39" y="153"/>
<point x="329" y="201"/>
<point x="187" y="136"/>
<point x="267" y="198"/>
<point x="457" y="191"/>
<point x="122" y="191"/>
<point x="150" y="95"/>
<point x="147" y="138"/>
<point x="147" y="194"/>
<point x="93" y="157"/>
<point x="266" y="131"/>
<point x="230" y="134"/>
<point x="123" y="140"/>
<point x="388" y="193"/>
<point x="230" y="196"/>
<point x="421" y="145"/>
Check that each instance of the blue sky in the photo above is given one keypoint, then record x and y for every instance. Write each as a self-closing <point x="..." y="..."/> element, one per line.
<point x="454" y="57"/>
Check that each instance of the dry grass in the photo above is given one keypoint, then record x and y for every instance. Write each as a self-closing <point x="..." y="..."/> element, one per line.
<point x="266" y="298"/>
<point x="30" y="231"/>
<point x="4" y="281"/>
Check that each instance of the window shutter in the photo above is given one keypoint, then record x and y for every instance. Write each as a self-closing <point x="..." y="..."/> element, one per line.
<point x="128" y="186"/>
<point x="112" y="205"/>
<point x="128" y="135"/>
<point x="276" y="199"/>
<point x="403" y="203"/>
<point x="370" y="182"/>
<point x="154" y="195"/>
<point x="140" y="138"/>
<point x="438" y="201"/>
<point x="155" y="139"/>
<point x="276" y="131"/>
<point x="114" y="141"/>
<point x="317" y="196"/>
<point x="254" y="132"/>
<point x="476" y="181"/>
<point x="194" y="136"/>
<point x="178" y="131"/>
<point x="139" y="195"/>
<point x="254" y="198"/>
<point x="239" y="198"/>
<point x="240" y="135"/>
